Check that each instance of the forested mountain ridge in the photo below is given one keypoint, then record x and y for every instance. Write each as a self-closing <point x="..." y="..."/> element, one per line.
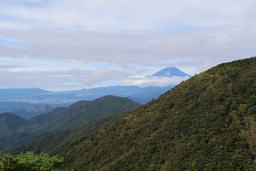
<point x="57" y="141"/>
<point x="60" y="119"/>
<point x="205" y="123"/>
<point x="83" y="112"/>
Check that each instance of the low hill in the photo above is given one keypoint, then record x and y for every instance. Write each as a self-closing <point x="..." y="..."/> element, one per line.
<point x="205" y="123"/>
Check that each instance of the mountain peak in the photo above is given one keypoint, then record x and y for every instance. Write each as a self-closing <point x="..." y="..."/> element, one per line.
<point x="170" y="72"/>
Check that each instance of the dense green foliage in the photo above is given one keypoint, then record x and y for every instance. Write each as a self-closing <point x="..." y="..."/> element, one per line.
<point x="205" y="123"/>
<point x="16" y="131"/>
<point x="29" y="162"/>
<point x="83" y="112"/>
<point x="55" y="142"/>
<point x="10" y="123"/>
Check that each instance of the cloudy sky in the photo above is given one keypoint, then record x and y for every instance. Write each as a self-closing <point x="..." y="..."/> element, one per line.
<point x="64" y="44"/>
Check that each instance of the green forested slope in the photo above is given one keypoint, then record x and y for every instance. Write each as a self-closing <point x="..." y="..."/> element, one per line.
<point x="55" y="142"/>
<point x="11" y="123"/>
<point x="83" y="112"/>
<point x="60" y="119"/>
<point x="205" y="123"/>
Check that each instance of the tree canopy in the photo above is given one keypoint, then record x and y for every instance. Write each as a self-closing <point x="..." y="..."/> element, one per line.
<point x="29" y="162"/>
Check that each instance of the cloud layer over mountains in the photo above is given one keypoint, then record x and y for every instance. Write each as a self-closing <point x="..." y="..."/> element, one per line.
<point x="92" y="43"/>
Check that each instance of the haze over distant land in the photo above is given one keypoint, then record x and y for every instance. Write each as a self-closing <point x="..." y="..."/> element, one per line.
<point x="25" y="99"/>
<point x="86" y="44"/>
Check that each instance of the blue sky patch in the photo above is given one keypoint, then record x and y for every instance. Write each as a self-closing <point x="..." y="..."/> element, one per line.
<point x="4" y="41"/>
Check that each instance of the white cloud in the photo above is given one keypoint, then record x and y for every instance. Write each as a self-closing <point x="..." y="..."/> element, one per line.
<point x="115" y="15"/>
<point x="143" y="81"/>
<point x="130" y="37"/>
<point x="7" y="67"/>
<point x="100" y="76"/>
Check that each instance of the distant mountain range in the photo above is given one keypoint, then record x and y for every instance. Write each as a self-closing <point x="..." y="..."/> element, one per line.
<point x="16" y="93"/>
<point x="13" y="100"/>
<point x="27" y="110"/>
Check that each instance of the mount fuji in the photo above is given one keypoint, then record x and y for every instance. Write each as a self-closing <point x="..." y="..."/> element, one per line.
<point x="170" y="72"/>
